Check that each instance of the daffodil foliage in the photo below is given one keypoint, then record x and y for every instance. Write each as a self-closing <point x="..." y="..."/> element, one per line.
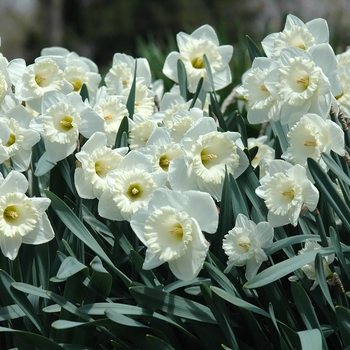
<point x="197" y="218"/>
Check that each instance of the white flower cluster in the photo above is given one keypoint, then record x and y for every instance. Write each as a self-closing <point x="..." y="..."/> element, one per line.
<point x="166" y="182"/>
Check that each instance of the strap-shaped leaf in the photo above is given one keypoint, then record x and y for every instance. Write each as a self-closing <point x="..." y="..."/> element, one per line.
<point x="182" y="77"/>
<point x="326" y="186"/>
<point x="252" y="49"/>
<point x="130" y="103"/>
<point x="122" y="131"/>
<point x="172" y="304"/>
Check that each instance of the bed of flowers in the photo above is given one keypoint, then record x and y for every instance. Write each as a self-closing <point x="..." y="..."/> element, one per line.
<point x="137" y="218"/>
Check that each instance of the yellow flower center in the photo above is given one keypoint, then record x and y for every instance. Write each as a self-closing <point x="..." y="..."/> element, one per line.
<point x="39" y="79"/>
<point x="10" y="213"/>
<point x="77" y="84"/>
<point x="134" y="191"/>
<point x="11" y="140"/>
<point x="101" y="168"/>
<point x="245" y="245"/>
<point x="198" y="63"/>
<point x="164" y="162"/>
<point x="309" y="143"/>
<point x="66" y="123"/>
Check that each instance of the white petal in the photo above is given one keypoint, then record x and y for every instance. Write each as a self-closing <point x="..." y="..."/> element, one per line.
<point x="10" y="245"/>
<point x="42" y="233"/>
<point x="14" y="182"/>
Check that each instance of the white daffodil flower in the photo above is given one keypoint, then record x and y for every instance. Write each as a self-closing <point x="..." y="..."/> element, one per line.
<point x="171" y="103"/>
<point x="162" y="150"/>
<point x="182" y="121"/>
<point x="112" y="109"/>
<point x="78" y="71"/>
<point x="22" y="219"/>
<point x="192" y="48"/>
<point x="171" y="226"/>
<point x="96" y="160"/>
<point x="208" y="154"/>
<point x="63" y="118"/>
<point x="262" y="106"/>
<point x="310" y="137"/>
<point x="121" y="75"/>
<point x="245" y="244"/>
<point x="286" y="189"/>
<point x="17" y="138"/>
<point x="264" y="156"/>
<point x="309" y="269"/>
<point x="296" y="34"/>
<point x="343" y="99"/>
<point x="141" y="130"/>
<point x="144" y="100"/>
<point x="31" y="82"/>
<point x="129" y="187"/>
<point x="303" y="82"/>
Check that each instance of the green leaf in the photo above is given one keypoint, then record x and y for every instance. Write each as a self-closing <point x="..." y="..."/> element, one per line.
<point x="84" y="93"/>
<point x="28" y="288"/>
<point x="69" y="267"/>
<point x="239" y="302"/>
<point x="11" y="312"/>
<point x="326" y="186"/>
<point x="310" y="339"/>
<point x="321" y="278"/>
<point x="215" y="112"/>
<point x="100" y="277"/>
<point x="123" y="320"/>
<point x="289" y="241"/>
<point x="20" y="299"/>
<point x="172" y="304"/>
<point x="209" y="73"/>
<point x="285" y="267"/>
<point x="155" y="343"/>
<point x="343" y="318"/>
<point x="337" y="170"/>
<point x="197" y="93"/>
<point x="239" y="204"/>
<point x="44" y="165"/>
<point x="130" y="103"/>
<point x="182" y="77"/>
<point x="219" y="310"/>
<point x="148" y="277"/>
<point x="38" y="341"/>
<point x="252" y="49"/>
<point x="78" y="229"/>
<point x="123" y="130"/>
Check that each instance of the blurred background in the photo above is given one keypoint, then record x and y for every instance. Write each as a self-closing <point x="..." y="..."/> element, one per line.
<point x="99" y="28"/>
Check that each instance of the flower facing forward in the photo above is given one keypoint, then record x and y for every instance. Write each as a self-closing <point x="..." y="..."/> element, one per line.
<point x="311" y="136"/>
<point x="96" y="160"/>
<point x="245" y="244"/>
<point x="171" y="228"/>
<point x="63" y="118"/>
<point x="192" y="48"/>
<point x="286" y="190"/>
<point x="129" y="187"/>
<point x="22" y="219"/>
<point x="208" y="154"/>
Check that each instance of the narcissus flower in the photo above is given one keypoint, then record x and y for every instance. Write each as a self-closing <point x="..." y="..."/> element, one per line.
<point x="208" y="154"/>
<point x="310" y="137"/>
<point x="309" y="269"/>
<point x="129" y="187"/>
<point x="296" y="34"/>
<point x="22" y="219"/>
<point x="63" y="118"/>
<point x="171" y="226"/>
<point x="245" y="244"/>
<point x="286" y="189"/>
<point x="96" y="160"/>
<point x="17" y="138"/>
<point x="192" y="48"/>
